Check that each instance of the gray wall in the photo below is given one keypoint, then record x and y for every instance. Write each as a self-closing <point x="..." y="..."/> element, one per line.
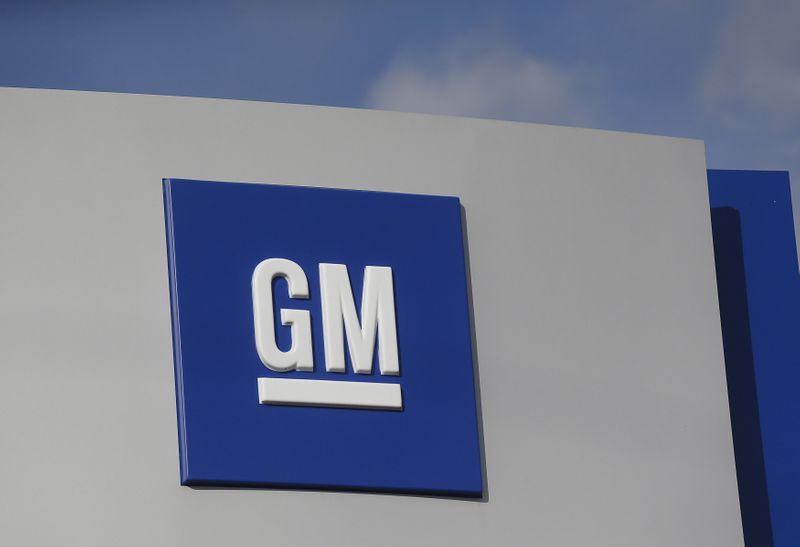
<point x="601" y="371"/>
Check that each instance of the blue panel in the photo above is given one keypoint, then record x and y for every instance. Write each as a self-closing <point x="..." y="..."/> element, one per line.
<point x="760" y="306"/>
<point x="217" y="234"/>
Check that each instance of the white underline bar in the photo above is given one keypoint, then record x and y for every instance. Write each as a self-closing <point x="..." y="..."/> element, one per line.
<point x="298" y="392"/>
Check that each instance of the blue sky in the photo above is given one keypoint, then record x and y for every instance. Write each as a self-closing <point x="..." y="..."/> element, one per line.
<point x="726" y="72"/>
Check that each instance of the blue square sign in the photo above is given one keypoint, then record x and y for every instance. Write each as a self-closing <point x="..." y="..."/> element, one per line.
<point x="321" y="339"/>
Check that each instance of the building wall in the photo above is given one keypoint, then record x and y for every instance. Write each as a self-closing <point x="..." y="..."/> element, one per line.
<point x="601" y="375"/>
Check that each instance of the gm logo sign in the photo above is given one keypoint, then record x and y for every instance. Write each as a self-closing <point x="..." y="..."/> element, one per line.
<point x="338" y="309"/>
<point x="321" y="339"/>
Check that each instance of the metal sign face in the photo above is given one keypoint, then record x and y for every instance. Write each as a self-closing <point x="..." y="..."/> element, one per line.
<point x="321" y="339"/>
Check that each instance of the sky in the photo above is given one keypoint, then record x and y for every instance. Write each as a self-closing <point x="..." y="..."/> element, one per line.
<point x="727" y="72"/>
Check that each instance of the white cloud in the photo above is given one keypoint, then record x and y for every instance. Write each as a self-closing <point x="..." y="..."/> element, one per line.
<point x="482" y="78"/>
<point x="753" y="75"/>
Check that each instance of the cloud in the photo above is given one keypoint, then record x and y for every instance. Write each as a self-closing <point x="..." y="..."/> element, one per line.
<point x="753" y="74"/>
<point x="482" y="77"/>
